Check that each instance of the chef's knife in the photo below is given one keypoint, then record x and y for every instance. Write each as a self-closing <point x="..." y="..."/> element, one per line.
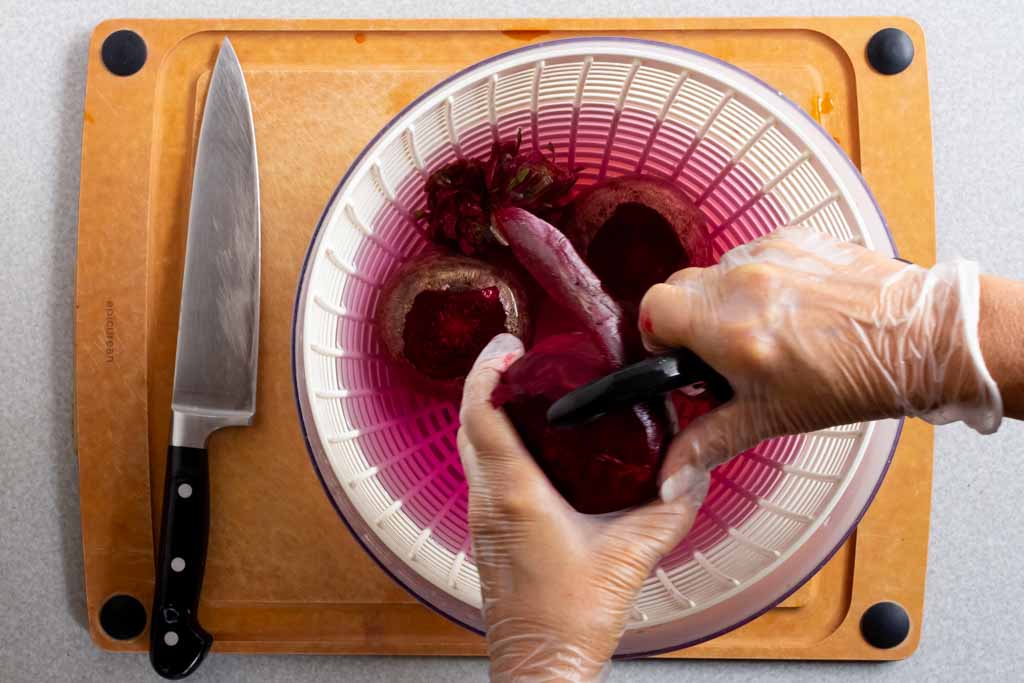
<point x="215" y="368"/>
<point x="637" y="383"/>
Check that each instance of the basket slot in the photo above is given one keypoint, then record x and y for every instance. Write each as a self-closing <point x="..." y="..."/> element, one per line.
<point x="613" y="129"/>
<point x="398" y="457"/>
<point x="714" y="571"/>
<point x="355" y="393"/>
<point x="796" y="471"/>
<point x="385" y="187"/>
<point x="458" y="563"/>
<point x="669" y="101"/>
<point x="344" y="353"/>
<point x="417" y="158"/>
<point x="761" y="502"/>
<point x="701" y="132"/>
<point x="577" y="101"/>
<point x="334" y="309"/>
<point x="806" y="215"/>
<point x="671" y="589"/>
<point x="740" y="537"/>
<point x="840" y="433"/>
<point x="736" y="158"/>
<point x="636" y="617"/>
<point x="357" y="432"/>
<point x="360" y="225"/>
<point x="449" y="121"/>
<point x="421" y="539"/>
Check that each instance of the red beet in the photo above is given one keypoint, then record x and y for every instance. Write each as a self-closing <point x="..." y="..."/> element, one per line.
<point x="462" y="196"/>
<point x="605" y="465"/>
<point x="689" y="408"/>
<point x="549" y="257"/>
<point x="609" y="463"/>
<point x="438" y="312"/>
<point x="634" y="232"/>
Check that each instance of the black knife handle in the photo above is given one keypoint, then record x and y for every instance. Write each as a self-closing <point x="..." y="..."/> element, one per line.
<point x="177" y="643"/>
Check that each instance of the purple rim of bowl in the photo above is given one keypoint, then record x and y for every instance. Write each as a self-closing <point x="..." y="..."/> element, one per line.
<point x="319" y="227"/>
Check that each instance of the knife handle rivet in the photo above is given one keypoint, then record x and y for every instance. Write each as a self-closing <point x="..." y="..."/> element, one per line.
<point x="123" y="52"/>
<point x="170" y="615"/>
<point x="185" y="491"/>
<point x="178" y="564"/>
<point x="171" y="638"/>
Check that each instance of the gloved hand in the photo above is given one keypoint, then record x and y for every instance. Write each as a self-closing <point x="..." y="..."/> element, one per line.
<point x="813" y="333"/>
<point x="557" y="585"/>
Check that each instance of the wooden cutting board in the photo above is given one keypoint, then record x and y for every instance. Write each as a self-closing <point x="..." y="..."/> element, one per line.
<point x="283" y="573"/>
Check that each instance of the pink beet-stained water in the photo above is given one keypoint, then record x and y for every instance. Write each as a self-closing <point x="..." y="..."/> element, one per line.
<point x="409" y="436"/>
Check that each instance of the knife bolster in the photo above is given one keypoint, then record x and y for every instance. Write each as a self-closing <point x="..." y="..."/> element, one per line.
<point x="191" y="428"/>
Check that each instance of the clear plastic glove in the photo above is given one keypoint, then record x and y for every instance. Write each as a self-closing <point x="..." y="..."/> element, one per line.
<point x="557" y="585"/>
<point x="813" y="333"/>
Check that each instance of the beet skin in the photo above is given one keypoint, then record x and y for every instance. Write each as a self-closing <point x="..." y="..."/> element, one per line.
<point x="438" y="312"/>
<point x="635" y="231"/>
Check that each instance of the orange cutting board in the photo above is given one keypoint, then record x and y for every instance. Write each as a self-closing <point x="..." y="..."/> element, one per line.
<point x="283" y="573"/>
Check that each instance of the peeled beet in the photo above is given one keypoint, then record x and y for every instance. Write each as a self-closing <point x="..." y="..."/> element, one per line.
<point x="634" y="232"/>
<point x="689" y="408"/>
<point x="604" y="465"/>
<point x="437" y="313"/>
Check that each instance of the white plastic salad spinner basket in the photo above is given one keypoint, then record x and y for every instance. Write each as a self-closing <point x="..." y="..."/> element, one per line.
<point x="749" y="157"/>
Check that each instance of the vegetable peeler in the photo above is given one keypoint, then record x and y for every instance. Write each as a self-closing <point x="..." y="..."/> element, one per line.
<point x="680" y="370"/>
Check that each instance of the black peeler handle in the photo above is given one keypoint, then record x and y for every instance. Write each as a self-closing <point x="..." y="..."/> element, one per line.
<point x="637" y="383"/>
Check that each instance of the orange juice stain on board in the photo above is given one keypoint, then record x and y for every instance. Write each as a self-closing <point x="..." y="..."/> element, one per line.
<point x="822" y="104"/>
<point x="525" y="36"/>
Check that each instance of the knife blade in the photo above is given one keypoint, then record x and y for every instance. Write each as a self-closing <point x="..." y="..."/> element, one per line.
<point x="638" y="383"/>
<point x="216" y="358"/>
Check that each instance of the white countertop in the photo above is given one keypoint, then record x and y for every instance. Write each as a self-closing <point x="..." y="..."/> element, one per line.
<point x="972" y="623"/>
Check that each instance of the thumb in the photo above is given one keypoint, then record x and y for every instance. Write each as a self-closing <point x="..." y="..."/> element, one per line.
<point x="707" y="442"/>
<point x="490" y="449"/>
<point x="641" y="537"/>
<point x="485" y="426"/>
<point x="494" y="359"/>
